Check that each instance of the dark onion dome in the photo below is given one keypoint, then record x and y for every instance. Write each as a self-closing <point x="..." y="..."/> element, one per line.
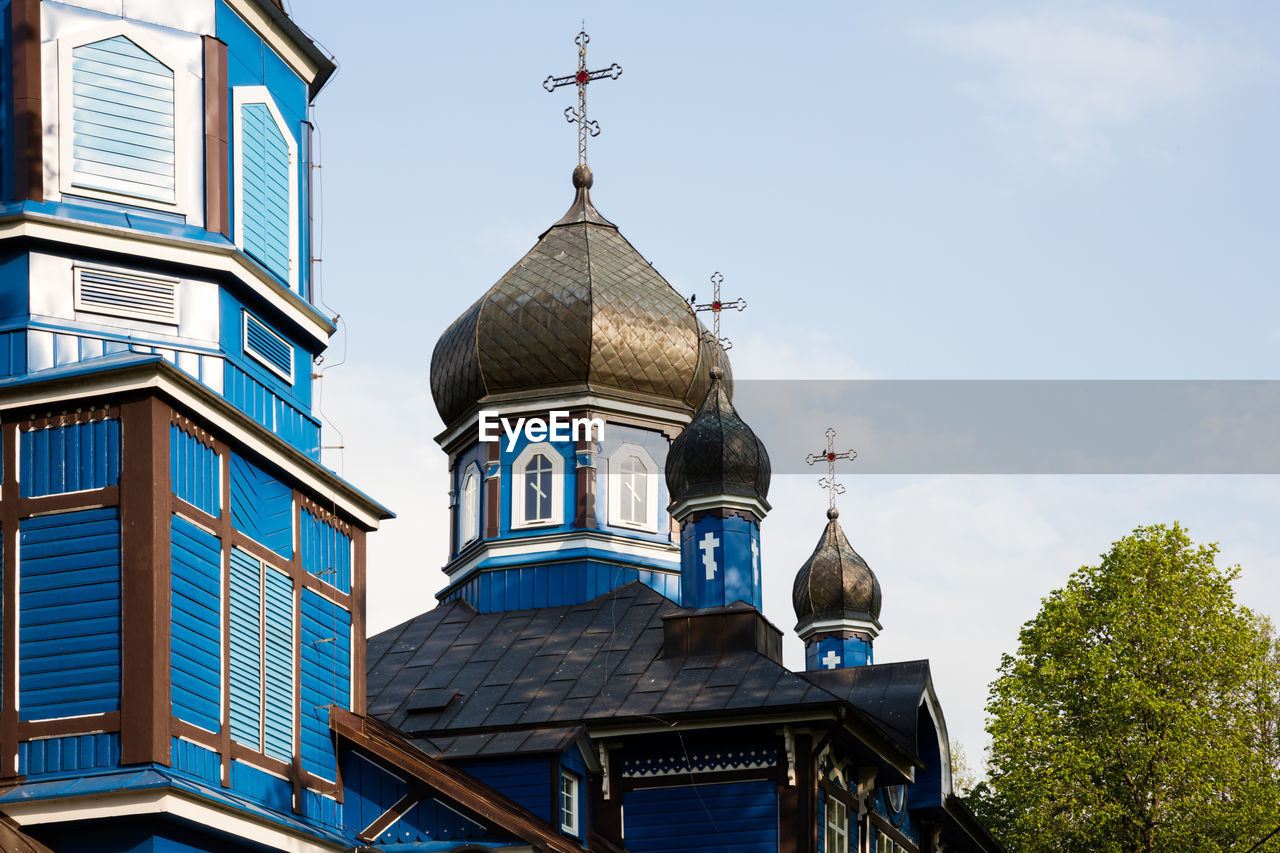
<point x="583" y="311"/>
<point x="717" y="456"/>
<point x="835" y="583"/>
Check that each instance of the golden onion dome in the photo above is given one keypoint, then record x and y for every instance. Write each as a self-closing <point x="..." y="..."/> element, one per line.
<point x="582" y="312"/>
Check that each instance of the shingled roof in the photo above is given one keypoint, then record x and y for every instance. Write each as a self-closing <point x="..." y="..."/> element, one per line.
<point x="453" y="672"/>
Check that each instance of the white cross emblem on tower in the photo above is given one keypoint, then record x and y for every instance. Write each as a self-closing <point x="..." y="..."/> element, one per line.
<point x="832" y="660"/>
<point x="708" y="547"/>
<point x="755" y="560"/>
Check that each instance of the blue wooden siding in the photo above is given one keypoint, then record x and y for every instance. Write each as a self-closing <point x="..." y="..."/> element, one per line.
<point x="326" y="678"/>
<point x="259" y="785"/>
<point x="245" y="649"/>
<point x="321" y="809"/>
<point x="261" y="342"/>
<point x="557" y="584"/>
<point x="531" y="782"/>
<point x="123" y="120"/>
<point x="739" y="816"/>
<point x="261" y="506"/>
<point x="266" y="172"/>
<point x="370" y="791"/>
<point x="271" y="410"/>
<point x="196" y="607"/>
<point x="69" y="614"/>
<point x="195" y="470"/>
<point x="277" y="664"/>
<point x="199" y="761"/>
<point x="70" y="458"/>
<point x="69" y="754"/>
<point x="326" y="552"/>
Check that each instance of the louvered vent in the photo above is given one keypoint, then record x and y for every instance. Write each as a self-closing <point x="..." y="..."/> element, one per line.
<point x="268" y="347"/>
<point x="127" y="295"/>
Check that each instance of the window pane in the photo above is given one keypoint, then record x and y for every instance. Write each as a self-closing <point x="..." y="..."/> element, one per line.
<point x="537" y="503"/>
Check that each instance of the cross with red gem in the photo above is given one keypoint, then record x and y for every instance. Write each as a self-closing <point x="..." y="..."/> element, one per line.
<point x="830" y="456"/>
<point x="715" y="306"/>
<point x="580" y="79"/>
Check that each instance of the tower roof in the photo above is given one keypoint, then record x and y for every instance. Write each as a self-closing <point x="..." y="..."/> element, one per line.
<point x="582" y="311"/>
<point x="717" y="454"/>
<point x="835" y="584"/>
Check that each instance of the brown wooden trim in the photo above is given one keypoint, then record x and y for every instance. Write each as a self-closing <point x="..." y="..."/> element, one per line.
<point x="27" y="109"/>
<point x="492" y="491"/>
<point x="217" y="162"/>
<point x="108" y="722"/>
<point x="326" y="516"/>
<point x="585" y="478"/>
<point x="224" y="544"/>
<point x="806" y="789"/>
<point x="248" y="755"/>
<point x="67" y="501"/>
<point x="145" y="587"/>
<point x="70" y="418"/>
<point x="358" y="624"/>
<point x="388" y="818"/>
<point x="452" y="784"/>
<point x="194" y="430"/>
<point x="9" y="660"/>
<point x="195" y="734"/>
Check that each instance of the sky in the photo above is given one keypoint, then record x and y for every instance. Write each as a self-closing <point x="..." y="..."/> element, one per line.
<point x="941" y="191"/>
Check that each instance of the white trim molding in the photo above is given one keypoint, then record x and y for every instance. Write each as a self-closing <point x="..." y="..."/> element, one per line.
<point x="622" y="488"/>
<point x="243" y="96"/>
<point x="555" y="473"/>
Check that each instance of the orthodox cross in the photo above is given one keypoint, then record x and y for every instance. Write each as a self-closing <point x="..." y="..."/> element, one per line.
<point x="715" y="306"/>
<point x="830" y="456"/>
<point x="580" y="79"/>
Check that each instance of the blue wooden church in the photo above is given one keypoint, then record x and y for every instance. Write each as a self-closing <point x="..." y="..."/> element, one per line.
<point x="183" y="661"/>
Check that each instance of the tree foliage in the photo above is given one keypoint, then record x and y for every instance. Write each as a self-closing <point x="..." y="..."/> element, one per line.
<point x="1140" y="712"/>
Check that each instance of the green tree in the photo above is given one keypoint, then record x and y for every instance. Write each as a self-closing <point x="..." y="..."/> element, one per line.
<point x="1139" y="712"/>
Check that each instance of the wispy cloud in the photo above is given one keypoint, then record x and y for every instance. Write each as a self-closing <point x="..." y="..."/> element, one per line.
<point x="1078" y="74"/>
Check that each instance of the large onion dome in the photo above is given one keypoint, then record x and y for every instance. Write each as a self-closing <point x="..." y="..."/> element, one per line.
<point x="717" y="456"/>
<point x="835" y="583"/>
<point x="583" y="311"/>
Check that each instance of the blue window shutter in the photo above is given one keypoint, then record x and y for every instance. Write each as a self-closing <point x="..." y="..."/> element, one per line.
<point x="245" y="649"/>
<point x="278" y="665"/>
<point x="123" y="120"/>
<point x="326" y="678"/>
<point x="266" y="175"/>
<point x="196" y="607"/>
<point x="69" y="614"/>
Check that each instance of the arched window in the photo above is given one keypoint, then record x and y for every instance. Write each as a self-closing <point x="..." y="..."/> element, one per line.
<point x="266" y="183"/>
<point x="471" y="507"/>
<point x="633" y="488"/>
<point x="537" y="487"/>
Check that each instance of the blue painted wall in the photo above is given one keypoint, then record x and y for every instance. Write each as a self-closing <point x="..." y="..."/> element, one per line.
<point x="739" y="816"/>
<point x="326" y="552"/>
<point x="556" y="584"/>
<point x="70" y="458"/>
<point x="326" y="678"/>
<point x="70" y="755"/>
<point x="565" y="451"/>
<point x="196" y="617"/>
<point x="195" y="472"/>
<point x="69" y="601"/>
<point x="843" y="652"/>
<point x="272" y="791"/>
<point x="657" y="445"/>
<point x="533" y="782"/>
<point x="196" y="760"/>
<point x="261" y="506"/>
<point x="734" y="576"/>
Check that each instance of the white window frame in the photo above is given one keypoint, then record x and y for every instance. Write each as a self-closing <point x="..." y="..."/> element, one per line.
<point x="187" y="198"/>
<point x="570" y="802"/>
<point x="242" y="96"/>
<point x="613" y="472"/>
<point x="469" y="518"/>
<point x="522" y="461"/>
<point x="836" y="808"/>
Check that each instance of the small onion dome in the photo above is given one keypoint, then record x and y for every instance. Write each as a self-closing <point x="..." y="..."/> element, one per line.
<point x="835" y="587"/>
<point x="717" y="461"/>
<point x="582" y="312"/>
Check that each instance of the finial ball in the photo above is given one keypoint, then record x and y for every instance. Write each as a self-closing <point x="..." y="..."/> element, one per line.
<point x="833" y="513"/>
<point x="717" y="372"/>
<point x="582" y="178"/>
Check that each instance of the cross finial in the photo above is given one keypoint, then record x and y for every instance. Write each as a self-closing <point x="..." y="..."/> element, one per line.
<point x="715" y="306"/>
<point x="580" y="79"/>
<point x="830" y="456"/>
